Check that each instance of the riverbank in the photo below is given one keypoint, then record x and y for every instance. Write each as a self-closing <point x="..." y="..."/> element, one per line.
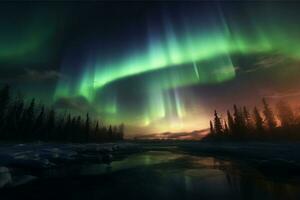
<point x="22" y="163"/>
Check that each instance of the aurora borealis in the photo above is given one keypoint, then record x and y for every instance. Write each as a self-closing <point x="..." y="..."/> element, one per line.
<point x="154" y="66"/>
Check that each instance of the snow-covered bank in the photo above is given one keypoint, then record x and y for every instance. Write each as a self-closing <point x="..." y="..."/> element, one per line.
<point x="17" y="161"/>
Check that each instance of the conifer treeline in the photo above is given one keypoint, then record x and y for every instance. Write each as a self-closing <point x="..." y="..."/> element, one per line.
<point x="22" y="122"/>
<point x="242" y="123"/>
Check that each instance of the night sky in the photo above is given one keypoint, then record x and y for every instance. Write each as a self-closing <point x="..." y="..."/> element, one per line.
<point x="155" y="67"/>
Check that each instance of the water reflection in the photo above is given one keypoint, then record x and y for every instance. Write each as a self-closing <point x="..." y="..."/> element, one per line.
<point x="164" y="175"/>
<point x="183" y="176"/>
<point x="135" y="161"/>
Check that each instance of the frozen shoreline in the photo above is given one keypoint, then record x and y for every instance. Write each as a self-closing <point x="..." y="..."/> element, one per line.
<point x="17" y="161"/>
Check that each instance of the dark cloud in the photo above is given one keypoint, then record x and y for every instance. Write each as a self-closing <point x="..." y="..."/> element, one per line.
<point x="29" y="75"/>
<point x="40" y="75"/>
<point x="284" y="94"/>
<point x="266" y="62"/>
<point x="79" y="104"/>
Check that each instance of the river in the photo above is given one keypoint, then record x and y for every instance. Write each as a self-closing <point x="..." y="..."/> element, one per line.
<point x="161" y="174"/>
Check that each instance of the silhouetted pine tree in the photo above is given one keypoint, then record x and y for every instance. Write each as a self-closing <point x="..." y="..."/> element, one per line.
<point x="285" y="114"/>
<point x="104" y="132"/>
<point x="9" y="127"/>
<point x="258" y="120"/>
<point x="87" y="126"/>
<point x="110" y="132"/>
<point x="239" y="121"/>
<point x="67" y="128"/>
<point x="115" y="133"/>
<point x="252" y="126"/>
<point x="78" y="129"/>
<point x="230" y="122"/>
<point x="226" y="130"/>
<point x="19" y="111"/>
<point x="121" y="131"/>
<point x="60" y="128"/>
<point x="248" y="121"/>
<point x="96" y="131"/>
<point x="39" y="123"/>
<point x="211" y="127"/>
<point x="4" y="100"/>
<point x="269" y="115"/>
<point x="25" y="123"/>
<point x="217" y="124"/>
<point x="50" y="125"/>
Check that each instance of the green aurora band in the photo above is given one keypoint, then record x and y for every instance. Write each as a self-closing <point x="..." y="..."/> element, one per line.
<point x="174" y="59"/>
